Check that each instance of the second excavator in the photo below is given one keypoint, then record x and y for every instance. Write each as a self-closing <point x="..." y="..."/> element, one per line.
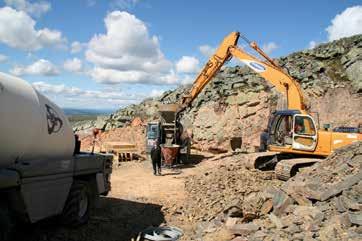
<point x="293" y="132"/>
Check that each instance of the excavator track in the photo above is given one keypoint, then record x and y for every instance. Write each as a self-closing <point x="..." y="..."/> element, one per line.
<point x="284" y="165"/>
<point x="285" y="169"/>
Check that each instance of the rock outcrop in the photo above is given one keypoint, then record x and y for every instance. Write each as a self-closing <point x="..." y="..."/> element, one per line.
<point x="237" y="102"/>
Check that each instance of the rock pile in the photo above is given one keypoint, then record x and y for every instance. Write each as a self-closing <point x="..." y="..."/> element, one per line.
<point x="323" y="202"/>
<point x="224" y="191"/>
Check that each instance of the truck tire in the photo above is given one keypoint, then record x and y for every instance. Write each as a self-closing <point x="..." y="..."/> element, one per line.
<point x="6" y="223"/>
<point x="77" y="208"/>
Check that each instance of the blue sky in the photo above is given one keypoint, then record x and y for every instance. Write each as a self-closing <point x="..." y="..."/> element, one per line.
<point x="107" y="54"/>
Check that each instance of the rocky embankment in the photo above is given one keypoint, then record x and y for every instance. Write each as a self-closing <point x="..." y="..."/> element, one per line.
<point x="237" y="102"/>
<point x="322" y="202"/>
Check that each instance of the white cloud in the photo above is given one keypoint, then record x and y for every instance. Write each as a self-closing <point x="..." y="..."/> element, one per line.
<point x="207" y="50"/>
<point x="268" y="48"/>
<point x="34" y="9"/>
<point x="113" y="76"/>
<point x="3" y="58"/>
<point x="312" y="44"/>
<point x="76" y="47"/>
<point x="187" y="64"/>
<point x="156" y="93"/>
<point x="187" y="79"/>
<point x="127" y="53"/>
<point x="73" y="65"/>
<point x="40" y="67"/>
<point x="17" y="31"/>
<point x="71" y="96"/>
<point x="345" y="24"/>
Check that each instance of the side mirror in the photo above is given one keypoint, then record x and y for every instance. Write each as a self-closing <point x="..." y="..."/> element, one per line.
<point x="326" y="127"/>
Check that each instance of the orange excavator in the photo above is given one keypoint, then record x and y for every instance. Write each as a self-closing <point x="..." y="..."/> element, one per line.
<point x="292" y="132"/>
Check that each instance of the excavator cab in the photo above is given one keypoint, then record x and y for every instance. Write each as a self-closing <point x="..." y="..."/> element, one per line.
<point x="289" y="129"/>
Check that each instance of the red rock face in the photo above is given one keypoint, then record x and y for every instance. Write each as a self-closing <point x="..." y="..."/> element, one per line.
<point x="213" y="128"/>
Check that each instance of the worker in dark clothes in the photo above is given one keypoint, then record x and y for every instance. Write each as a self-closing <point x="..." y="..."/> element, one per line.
<point x="264" y="138"/>
<point x="156" y="158"/>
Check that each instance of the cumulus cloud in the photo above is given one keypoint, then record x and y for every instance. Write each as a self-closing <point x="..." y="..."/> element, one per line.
<point x="156" y="93"/>
<point x="187" y="79"/>
<point x="268" y="48"/>
<point x="187" y="64"/>
<point x="34" y="9"/>
<point x="312" y="44"/>
<point x="127" y="53"/>
<point x="73" y="65"/>
<point x="207" y="50"/>
<point x="40" y="67"/>
<point x="345" y="24"/>
<point x="17" y="30"/>
<point x="113" y="76"/>
<point x="68" y="95"/>
<point x="3" y="58"/>
<point x="76" y="47"/>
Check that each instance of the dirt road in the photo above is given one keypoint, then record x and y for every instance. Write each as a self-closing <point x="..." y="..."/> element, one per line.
<point x="138" y="200"/>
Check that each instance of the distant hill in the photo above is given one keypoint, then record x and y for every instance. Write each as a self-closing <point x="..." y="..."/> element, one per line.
<point x="85" y="112"/>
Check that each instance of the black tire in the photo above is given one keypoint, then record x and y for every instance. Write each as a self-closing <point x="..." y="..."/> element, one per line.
<point x="6" y="223"/>
<point x="74" y="212"/>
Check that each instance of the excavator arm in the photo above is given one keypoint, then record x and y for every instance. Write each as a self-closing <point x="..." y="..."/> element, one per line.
<point x="284" y="83"/>
<point x="215" y="62"/>
<point x="267" y="69"/>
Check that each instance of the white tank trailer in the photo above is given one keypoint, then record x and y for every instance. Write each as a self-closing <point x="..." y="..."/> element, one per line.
<point x="42" y="174"/>
<point x="31" y="127"/>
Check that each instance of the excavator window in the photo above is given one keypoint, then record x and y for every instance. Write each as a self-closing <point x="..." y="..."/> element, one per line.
<point x="304" y="133"/>
<point x="283" y="127"/>
<point x="303" y="125"/>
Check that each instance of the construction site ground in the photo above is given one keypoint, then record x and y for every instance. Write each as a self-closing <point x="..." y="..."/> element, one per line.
<point x="138" y="200"/>
<point x="217" y="198"/>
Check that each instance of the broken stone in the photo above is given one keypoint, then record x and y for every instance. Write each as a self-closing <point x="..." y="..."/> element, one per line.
<point x="267" y="207"/>
<point x="293" y="228"/>
<point x="339" y="187"/>
<point x="301" y="200"/>
<point x="355" y="217"/>
<point x="298" y="236"/>
<point x="239" y="239"/>
<point x="243" y="229"/>
<point x="234" y="212"/>
<point x="277" y="221"/>
<point x="231" y="222"/>
<point x="309" y="213"/>
<point x="280" y="202"/>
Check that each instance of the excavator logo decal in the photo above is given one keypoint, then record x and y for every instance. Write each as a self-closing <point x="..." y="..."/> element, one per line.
<point x="53" y="120"/>
<point x="257" y="67"/>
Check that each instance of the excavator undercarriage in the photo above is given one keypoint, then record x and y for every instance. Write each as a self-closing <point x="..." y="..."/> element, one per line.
<point x="284" y="165"/>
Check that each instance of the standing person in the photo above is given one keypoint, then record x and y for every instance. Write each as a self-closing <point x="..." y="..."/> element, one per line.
<point x="264" y="138"/>
<point x="156" y="158"/>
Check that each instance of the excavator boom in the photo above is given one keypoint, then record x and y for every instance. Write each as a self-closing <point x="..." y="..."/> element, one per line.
<point x="268" y="69"/>
<point x="215" y="62"/>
